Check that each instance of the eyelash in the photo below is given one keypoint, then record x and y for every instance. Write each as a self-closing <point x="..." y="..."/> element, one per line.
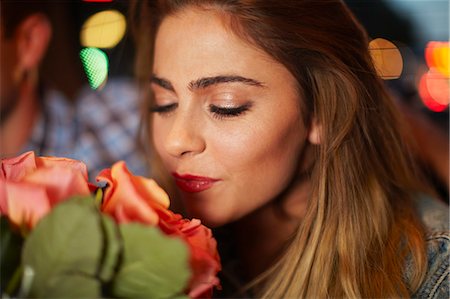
<point x="218" y="112"/>
<point x="163" y="109"/>
<point x="222" y="112"/>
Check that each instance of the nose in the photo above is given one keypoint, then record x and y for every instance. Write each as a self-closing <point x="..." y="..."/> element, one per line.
<point x="185" y="135"/>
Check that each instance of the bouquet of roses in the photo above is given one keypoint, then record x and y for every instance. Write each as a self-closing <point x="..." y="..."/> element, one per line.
<point x="62" y="236"/>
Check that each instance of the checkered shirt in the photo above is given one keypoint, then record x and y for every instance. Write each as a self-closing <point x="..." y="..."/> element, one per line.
<point x="100" y="128"/>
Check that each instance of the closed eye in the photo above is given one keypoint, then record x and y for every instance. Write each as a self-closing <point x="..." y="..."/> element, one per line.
<point x="163" y="109"/>
<point x="222" y="112"/>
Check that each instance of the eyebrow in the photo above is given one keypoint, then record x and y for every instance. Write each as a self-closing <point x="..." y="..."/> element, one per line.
<point x="162" y="82"/>
<point x="207" y="81"/>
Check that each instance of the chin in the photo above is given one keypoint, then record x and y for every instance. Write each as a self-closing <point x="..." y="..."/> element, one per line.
<point x="211" y="219"/>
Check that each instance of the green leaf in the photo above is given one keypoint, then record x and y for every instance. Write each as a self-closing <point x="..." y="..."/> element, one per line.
<point x="98" y="197"/>
<point x="111" y="248"/>
<point x="154" y="265"/>
<point x="67" y="243"/>
<point x="10" y="249"/>
<point x="72" y="286"/>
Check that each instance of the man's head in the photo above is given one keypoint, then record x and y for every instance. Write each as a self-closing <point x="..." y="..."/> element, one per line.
<point x="25" y="32"/>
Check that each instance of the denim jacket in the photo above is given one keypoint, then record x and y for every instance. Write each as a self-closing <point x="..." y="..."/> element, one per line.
<point x="435" y="217"/>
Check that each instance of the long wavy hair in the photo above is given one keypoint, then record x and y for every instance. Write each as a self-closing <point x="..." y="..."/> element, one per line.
<point x="360" y="226"/>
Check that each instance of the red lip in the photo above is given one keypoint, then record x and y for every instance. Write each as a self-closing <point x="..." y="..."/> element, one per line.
<point x="192" y="183"/>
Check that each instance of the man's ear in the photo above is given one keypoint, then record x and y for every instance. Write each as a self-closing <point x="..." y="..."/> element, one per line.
<point x="32" y="38"/>
<point x="315" y="132"/>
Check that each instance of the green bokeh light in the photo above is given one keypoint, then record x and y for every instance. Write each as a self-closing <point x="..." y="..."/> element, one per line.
<point x="95" y="64"/>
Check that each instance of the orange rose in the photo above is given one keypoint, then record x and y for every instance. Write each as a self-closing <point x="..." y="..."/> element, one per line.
<point x="30" y="186"/>
<point x="205" y="260"/>
<point x="133" y="198"/>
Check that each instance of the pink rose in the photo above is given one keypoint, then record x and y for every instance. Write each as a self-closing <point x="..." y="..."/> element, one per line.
<point x="130" y="198"/>
<point x="30" y="186"/>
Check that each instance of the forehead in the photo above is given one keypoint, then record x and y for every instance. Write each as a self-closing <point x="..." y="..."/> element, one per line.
<point x="207" y="23"/>
<point x="199" y="42"/>
<point x="193" y="33"/>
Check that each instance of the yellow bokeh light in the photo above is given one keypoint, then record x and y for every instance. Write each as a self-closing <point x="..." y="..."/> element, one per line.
<point x="103" y="30"/>
<point x="437" y="55"/>
<point x="386" y="58"/>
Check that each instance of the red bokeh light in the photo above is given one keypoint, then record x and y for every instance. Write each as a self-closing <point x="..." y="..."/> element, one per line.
<point x="434" y="91"/>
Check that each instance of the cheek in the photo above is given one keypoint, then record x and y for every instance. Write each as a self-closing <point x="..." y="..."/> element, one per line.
<point x="258" y="167"/>
<point x="158" y="131"/>
<point x="261" y="158"/>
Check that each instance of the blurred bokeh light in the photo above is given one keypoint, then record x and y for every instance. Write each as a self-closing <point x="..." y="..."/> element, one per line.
<point x="437" y="56"/>
<point x="434" y="83"/>
<point x="95" y="63"/>
<point x="386" y="58"/>
<point x="104" y="29"/>
<point x="433" y="90"/>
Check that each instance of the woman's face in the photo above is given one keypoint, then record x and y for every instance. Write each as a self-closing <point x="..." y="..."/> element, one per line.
<point x="226" y="118"/>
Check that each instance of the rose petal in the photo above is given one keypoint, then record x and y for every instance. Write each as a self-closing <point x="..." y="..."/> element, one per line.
<point x="26" y="203"/>
<point x="59" y="183"/>
<point x="30" y="186"/>
<point x="204" y="290"/>
<point x="122" y="200"/>
<point x="146" y="188"/>
<point x="14" y="169"/>
<point x="3" y="199"/>
<point x="48" y="162"/>
<point x="150" y="191"/>
<point x="204" y="259"/>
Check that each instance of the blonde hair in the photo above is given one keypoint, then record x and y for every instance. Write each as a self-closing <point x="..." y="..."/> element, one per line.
<point x="360" y="226"/>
